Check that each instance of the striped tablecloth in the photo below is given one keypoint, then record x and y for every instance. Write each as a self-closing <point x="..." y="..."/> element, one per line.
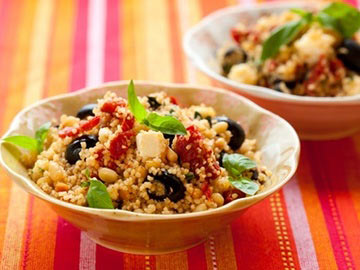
<point x="48" y="47"/>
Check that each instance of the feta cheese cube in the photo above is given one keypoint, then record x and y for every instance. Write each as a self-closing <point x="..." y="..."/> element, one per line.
<point x="151" y="144"/>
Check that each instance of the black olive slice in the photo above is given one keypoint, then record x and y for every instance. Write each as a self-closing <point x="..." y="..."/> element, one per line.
<point x="237" y="132"/>
<point x="174" y="188"/>
<point x="86" y="111"/>
<point x="74" y="148"/>
<point x="154" y="104"/>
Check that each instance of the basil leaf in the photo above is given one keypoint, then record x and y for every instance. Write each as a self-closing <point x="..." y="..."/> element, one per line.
<point x="97" y="196"/>
<point x="85" y="184"/>
<point x="137" y="109"/>
<point x="301" y="12"/>
<point x="41" y="134"/>
<point x="25" y="142"/>
<point x="245" y="185"/>
<point x="165" y="124"/>
<point x="236" y="164"/>
<point x="344" y="18"/>
<point x="281" y="36"/>
<point x="189" y="176"/>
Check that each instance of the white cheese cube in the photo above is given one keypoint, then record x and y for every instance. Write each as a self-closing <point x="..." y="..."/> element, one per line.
<point x="243" y="73"/>
<point x="151" y="144"/>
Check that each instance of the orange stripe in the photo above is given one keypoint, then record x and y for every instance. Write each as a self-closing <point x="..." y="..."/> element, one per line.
<point x="60" y="51"/>
<point x="315" y="216"/>
<point x="172" y="261"/>
<point x="175" y="38"/>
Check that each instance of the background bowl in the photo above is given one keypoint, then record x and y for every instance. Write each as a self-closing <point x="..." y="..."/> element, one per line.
<point x="314" y="118"/>
<point x="155" y="233"/>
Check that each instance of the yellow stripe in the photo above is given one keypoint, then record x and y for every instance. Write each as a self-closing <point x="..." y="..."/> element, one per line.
<point x="39" y="49"/>
<point x="139" y="45"/>
<point x="157" y="40"/>
<point x="19" y="199"/>
<point x="60" y="48"/>
<point x="128" y="56"/>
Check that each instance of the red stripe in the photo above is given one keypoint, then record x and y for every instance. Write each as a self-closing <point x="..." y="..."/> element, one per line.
<point x="67" y="248"/>
<point x="336" y="174"/>
<point x="255" y="240"/>
<point x="78" y="74"/>
<point x="112" y="41"/>
<point x="108" y="259"/>
<point x="197" y="258"/>
<point x="328" y="203"/>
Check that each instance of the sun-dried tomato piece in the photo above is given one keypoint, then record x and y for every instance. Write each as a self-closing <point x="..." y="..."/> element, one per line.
<point x="228" y="195"/>
<point x="68" y="132"/>
<point x="192" y="150"/>
<point x="205" y="188"/>
<point x="110" y="106"/>
<point x="121" y="143"/>
<point x="173" y="100"/>
<point x="89" y="124"/>
<point x="128" y="122"/>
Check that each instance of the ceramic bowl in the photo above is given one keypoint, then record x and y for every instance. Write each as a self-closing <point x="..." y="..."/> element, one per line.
<point x="155" y="233"/>
<point x="313" y="118"/>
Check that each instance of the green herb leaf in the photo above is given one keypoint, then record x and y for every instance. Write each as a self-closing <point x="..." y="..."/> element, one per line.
<point x="41" y="134"/>
<point x="25" y="142"/>
<point x="189" y="176"/>
<point x="281" y="36"/>
<point x="165" y="124"/>
<point x="341" y="17"/>
<point x="85" y="184"/>
<point x="301" y="12"/>
<point x="245" y="185"/>
<point x="236" y="164"/>
<point x="137" y="109"/>
<point x="97" y="195"/>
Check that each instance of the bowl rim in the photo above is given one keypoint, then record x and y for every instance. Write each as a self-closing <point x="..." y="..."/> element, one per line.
<point x="143" y="216"/>
<point x="257" y="91"/>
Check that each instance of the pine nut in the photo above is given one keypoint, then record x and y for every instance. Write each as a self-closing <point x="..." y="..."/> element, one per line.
<point x="108" y="175"/>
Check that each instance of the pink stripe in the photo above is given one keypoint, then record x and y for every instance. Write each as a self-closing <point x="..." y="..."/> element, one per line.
<point x="78" y="74"/>
<point x="112" y="41"/>
<point x="351" y="2"/>
<point x="328" y="203"/>
<point x="108" y="259"/>
<point x="28" y="231"/>
<point x="197" y="258"/>
<point x="300" y="226"/>
<point x="67" y="246"/>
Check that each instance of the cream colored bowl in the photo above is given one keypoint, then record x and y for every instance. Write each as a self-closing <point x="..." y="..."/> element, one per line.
<point x="150" y="233"/>
<point x="313" y="118"/>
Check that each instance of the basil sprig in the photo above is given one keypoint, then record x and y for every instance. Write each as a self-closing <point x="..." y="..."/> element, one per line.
<point x="97" y="195"/>
<point x="338" y="16"/>
<point x="29" y="143"/>
<point x="341" y="17"/>
<point x="236" y="164"/>
<point x="165" y="124"/>
<point x="281" y="36"/>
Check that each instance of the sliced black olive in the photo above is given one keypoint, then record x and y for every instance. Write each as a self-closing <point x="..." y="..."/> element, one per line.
<point x="170" y="137"/>
<point x="233" y="56"/>
<point x="74" y="148"/>
<point x="222" y="153"/>
<point x="153" y="103"/>
<point x="349" y="54"/>
<point x="255" y="174"/>
<point x="119" y="204"/>
<point x="174" y="188"/>
<point x="86" y="111"/>
<point x="237" y="132"/>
